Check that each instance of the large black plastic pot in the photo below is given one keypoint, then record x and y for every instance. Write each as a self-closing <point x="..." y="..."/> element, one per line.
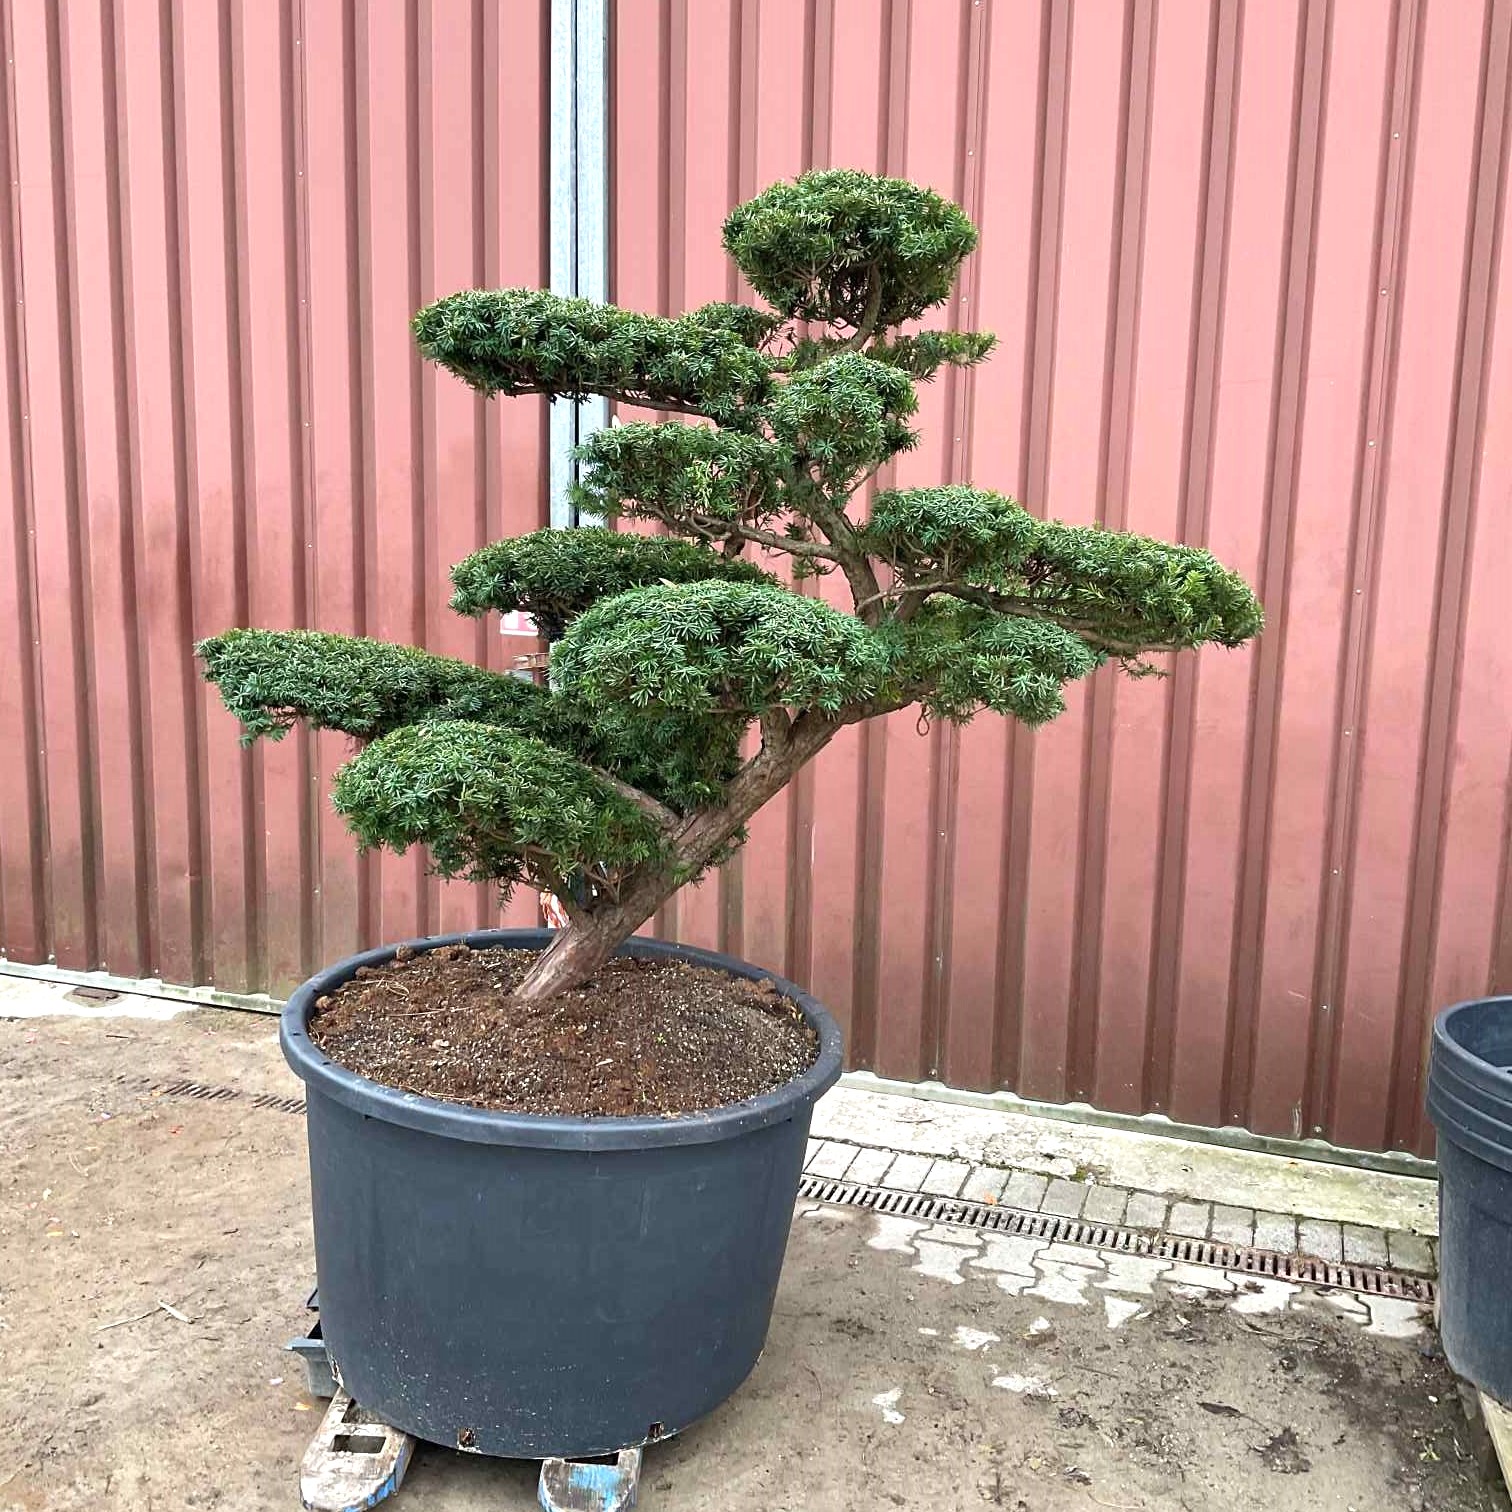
<point x="532" y="1286"/>
<point x="1470" y="1103"/>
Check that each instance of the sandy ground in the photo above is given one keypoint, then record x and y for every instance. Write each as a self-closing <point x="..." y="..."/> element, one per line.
<point x="870" y="1395"/>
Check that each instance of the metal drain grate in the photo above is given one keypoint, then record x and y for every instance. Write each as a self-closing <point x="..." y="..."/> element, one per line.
<point x="1369" y="1280"/>
<point x="205" y="1093"/>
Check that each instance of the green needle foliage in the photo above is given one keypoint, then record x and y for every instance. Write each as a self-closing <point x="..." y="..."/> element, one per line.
<point x="554" y="576"/>
<point x="687" y="475"/>
<point x="732" y="649"/>
<point x="493" y="806"/>
<point x="271" y="679"/>
<point x="847" y="248"/>
<point x="527" y="341"/>
<point x="1123" y="593"/>
<point x="966" y="658"/>
<point x="688" y="684"/>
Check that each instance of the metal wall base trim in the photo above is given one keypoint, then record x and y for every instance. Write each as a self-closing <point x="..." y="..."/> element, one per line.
<point x="1226" y="1136"/>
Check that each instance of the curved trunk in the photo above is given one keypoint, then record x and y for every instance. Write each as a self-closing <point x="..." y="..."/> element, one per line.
<point x="571" y="959"/>
<point x="587" y="942"/>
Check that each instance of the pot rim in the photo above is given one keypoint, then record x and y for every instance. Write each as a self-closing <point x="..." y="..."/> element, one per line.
<point x="539" y="1130"/>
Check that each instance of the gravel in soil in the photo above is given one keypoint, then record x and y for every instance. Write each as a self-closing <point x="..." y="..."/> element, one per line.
<point x="643" y="1037"/>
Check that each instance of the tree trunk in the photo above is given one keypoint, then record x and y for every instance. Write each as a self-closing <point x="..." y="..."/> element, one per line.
<point x="583" y="947"/>
<point x="572" y="958"/>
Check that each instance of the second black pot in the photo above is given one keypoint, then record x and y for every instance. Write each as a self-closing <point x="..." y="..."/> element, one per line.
<point x="1470" y="1103"/>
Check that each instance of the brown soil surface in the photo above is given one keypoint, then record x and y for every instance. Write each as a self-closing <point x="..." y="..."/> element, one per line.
<point x="643" y="1037"/>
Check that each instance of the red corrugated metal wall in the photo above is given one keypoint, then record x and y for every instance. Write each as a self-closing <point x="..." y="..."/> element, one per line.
<point x="1246" y="262"/>
<point x="219" y="217"/>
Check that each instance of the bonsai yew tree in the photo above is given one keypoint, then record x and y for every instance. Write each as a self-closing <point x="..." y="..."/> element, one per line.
<point x="628" y="774"/>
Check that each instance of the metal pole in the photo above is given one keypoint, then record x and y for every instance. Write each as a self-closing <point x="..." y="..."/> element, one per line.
<point x="579" y="208"/>
<point x="592" y="184"/>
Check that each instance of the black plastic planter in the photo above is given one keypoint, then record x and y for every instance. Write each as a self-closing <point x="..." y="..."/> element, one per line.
<point x="1470" y="1102"/>
<point x="531" y="1286"/>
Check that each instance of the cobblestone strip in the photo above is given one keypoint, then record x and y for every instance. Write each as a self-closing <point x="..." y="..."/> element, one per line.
<point x="1094" y="1202"/>
<point x="1122" y="1286"/>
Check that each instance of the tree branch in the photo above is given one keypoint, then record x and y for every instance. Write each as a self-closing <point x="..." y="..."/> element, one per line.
<point x="767" y="772"/>
<point x="911" y="596"/>
<point x="542" y="864"/>
<point x="697" y="841"/>
<point x="711" y="528"/>
<point x="868" y="324"/>
<point x="622" y="396"/>
<point x="653" y="808"/>
<point x="860" y="576"/>
<point x="775" y="727"/>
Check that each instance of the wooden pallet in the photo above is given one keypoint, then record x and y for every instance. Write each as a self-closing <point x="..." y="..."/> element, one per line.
<point x="584" y="1486"/>
<point x="1498" y="1423"/>
<point x="354" y="1460"/>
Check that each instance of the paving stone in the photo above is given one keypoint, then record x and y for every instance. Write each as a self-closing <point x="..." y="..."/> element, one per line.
<point x="975" y="1339"/>
<point x="870" y="1166"/>
<point x="985" y="1184"/>
<point x="1276" y="1232"/>
<point x="1190" y="1219"/>
<point x="1064" y="1198"/>
<point x="1009" y="1252"/>
<point x="1132" y="1273"/>
<point x="1198" y="1278"/>
<point x="1394" y="1317"/>
<point x="1145" y="1210"/>
<point x="946" y="1178"/>
<point x="894" y="1233"/>
<point x="941" y="1261"/>
<point x="1410" y="1252"/>
<point x="1012" y="1283"/>
<point x="1060" y="1282"/>
<point x="831" y="1160"/>
<point x="1345" y="1302"/>
<point x="1073" y="1254"/>
<point x="949" y="1233"/>
<point x="823" y="1212"/>
<point x="1025" y="1190"/>
<point x="1261" y="1294"/>
<point x="1319" y="1238"/>
<point x="1233" y="1225"/>
<point x="907" y="1173"/>
<point x="810" y="1150"/>
<point x="1336" y="1304"/>
<point x="1365" y="1246"/>
<point x="1105" y="1204"/>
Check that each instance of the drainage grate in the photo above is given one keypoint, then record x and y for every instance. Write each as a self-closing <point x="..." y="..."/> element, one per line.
<point x="1370" y="1280"/>
<point x="204" y="1093"/>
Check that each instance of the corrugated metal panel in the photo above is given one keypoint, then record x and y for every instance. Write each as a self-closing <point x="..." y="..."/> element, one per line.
<point x="1247" y="267"/>
<point x="218" y="220"/>
<point x="1246" y="264"/>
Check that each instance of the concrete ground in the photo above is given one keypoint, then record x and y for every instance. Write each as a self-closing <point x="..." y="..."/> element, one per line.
<point x="907" y="1367"/>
